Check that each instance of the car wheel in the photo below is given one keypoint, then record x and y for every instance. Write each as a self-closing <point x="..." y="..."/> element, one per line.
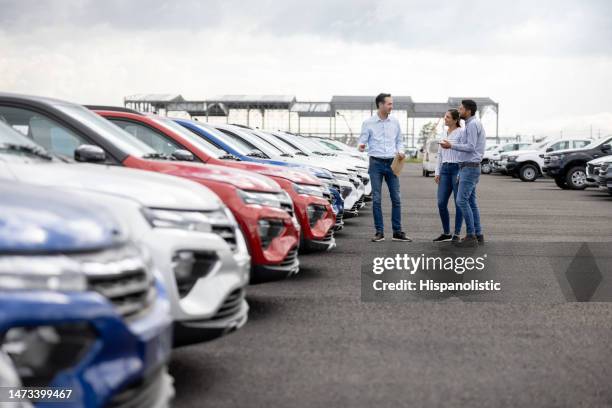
<point x="424" y="173"/>
<point x="528" y="172"/>
<point x="485" y="168"/>
<point x="576" y="178"/>
<point x="561" y="183"/>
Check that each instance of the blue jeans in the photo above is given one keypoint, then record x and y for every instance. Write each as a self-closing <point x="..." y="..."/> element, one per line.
<point x="448" y="184"/>
<point x="381" y="169"/>
<point x="466" y="199"/>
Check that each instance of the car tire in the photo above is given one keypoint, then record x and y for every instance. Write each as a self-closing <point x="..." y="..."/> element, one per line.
<point x="576" y="178"/>
<point x="485" y="168"/>
<point x="528" y="172"/>
<point x="424" y="173"/>
<point x="561" y="183"/>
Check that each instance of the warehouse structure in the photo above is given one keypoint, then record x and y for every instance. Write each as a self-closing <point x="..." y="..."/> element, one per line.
<point x="338" y="118"/>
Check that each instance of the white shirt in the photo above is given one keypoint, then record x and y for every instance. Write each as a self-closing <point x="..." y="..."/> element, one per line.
<point x="448" y="155"/>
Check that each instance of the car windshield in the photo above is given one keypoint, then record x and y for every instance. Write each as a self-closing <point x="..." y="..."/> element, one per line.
<point x="313" y="146"/>
<point x="13" y="142"/>
<point x="262" y="143"/>
<point x="118" y="137"/>
<point x="329" y="145"/>
<point x="278" y="145"/>
<point x="282" y="144"/>
<point x="297" y="143"/>
<point x="201" y="143"/>
<point x="234" y="141"/>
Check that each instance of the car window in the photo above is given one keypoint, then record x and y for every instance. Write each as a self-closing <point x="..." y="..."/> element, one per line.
<point x="564" y="144"/>
<point x="581" y="143"/>
<point x="42" y="130"/>
<point x="158" y="142"/>
<point x="508" y="148"/>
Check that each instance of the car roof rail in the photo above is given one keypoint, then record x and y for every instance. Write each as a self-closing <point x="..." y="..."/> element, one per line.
<point x="113" y="109"/>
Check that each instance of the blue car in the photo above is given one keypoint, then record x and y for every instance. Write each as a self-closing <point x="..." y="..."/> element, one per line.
<point x="219" y="140"/>
<point x="80" y="308"/>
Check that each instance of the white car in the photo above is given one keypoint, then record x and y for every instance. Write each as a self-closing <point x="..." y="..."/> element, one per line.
<point x="341" y="148"/>
<point x="192" y="236"/>
<point x="592" y="170"/>
<point x="430" y="157"/>
<point x="527" y="163"/>
<point x="491" y="158"/>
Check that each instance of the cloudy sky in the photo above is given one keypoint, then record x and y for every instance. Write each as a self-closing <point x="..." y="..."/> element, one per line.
<point x="548" y="63"/>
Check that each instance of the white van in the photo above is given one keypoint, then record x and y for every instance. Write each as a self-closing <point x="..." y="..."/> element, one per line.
<point x="430" y="157"/>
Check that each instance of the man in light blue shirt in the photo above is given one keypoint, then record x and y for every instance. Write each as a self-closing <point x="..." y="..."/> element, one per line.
<point x="471" y="146"/>
<point x="383" y="137"/>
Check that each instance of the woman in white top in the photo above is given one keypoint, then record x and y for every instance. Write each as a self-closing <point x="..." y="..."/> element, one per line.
<point x="447" y="172"/>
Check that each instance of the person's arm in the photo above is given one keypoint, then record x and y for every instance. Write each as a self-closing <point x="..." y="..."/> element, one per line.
<point x="438" y="164"/>
<point x="399" y="143"/>
<point x="471" y="137"/>
<point x="364" y="137"/>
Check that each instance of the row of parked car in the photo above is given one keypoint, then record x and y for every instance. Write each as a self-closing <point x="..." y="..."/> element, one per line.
<point x="574" y="163"/>
<point x="125" y="234"/>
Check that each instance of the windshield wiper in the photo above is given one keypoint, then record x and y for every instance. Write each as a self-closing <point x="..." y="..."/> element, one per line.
<point x="286" y="155"/>
<point x="158" y="156"/>
<point x="301" y="154"/>
<point x="33" y="150"/>
<point x="229" y="157"/>
<point x="258" y="155"/>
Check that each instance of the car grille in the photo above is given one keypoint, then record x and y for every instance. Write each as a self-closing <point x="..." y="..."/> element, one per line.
<point x="329" y="236"/>
<point x="290" y="258"/>
<point x="121" y="277"/>
<point x="228" y="234"/>
<point x="129" y="291"/>
<point x="287" y="207"/>
<point x="603" y="175"/>
<point x="145" y="393"/>
<point x="231" y="305"/>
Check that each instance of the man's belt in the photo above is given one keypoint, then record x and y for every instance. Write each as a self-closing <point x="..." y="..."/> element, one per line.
<point x="469" y="164"/>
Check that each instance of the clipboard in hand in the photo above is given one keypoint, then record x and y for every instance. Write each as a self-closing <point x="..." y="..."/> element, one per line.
<point x="397" y="165"/>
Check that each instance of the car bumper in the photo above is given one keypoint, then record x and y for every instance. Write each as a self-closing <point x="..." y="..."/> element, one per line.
<point x="317" y="236"/>
<point x="289" y="266"/>
<point x="552" y="170"/>
<point x="512" y="167"/>
<point x="124" y="358"/>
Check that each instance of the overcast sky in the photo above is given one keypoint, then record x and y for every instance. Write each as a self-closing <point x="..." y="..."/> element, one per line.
<point x="548" y="63"/>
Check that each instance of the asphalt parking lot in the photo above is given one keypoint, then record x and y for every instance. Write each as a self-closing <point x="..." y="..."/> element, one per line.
<point x="311" y="341"/>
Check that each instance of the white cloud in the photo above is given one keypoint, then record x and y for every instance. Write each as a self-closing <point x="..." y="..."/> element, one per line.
<point x="538" y="94"/>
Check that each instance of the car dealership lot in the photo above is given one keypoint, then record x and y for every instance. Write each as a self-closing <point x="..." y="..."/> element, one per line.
<point x="310" y="341"/>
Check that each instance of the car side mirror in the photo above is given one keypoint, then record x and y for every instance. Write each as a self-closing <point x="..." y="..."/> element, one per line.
<point x="89" y="154"/>
<point x="182" y="155"/>
<point x="606" y="147"/>
<point x="550" y="149"/>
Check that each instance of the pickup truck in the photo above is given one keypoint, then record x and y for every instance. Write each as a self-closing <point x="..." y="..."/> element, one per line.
<point x="568" y="167"/>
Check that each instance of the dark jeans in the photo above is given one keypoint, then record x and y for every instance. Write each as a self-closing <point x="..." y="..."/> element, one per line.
<point x="466" y="199"/>
<point x="448" y="184"/>
<point x="381" y="169"/>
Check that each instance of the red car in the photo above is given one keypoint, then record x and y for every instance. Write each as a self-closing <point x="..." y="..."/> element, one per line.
<point x="256" y="201"/>
<point x="312" y="209"/>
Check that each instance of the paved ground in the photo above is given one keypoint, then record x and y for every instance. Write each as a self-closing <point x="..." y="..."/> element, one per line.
<point x="312" y="342"/>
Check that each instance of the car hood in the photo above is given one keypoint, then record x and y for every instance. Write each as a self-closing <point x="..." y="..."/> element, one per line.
<point x="526" y="151"/>
<point x="333" y="166"/>
<point x="46" y="220"/>
<point x="296" y="176"/>
<point x="148" y="188"/>
<point x="603" y="159"/>
<point x="241" y="179"/>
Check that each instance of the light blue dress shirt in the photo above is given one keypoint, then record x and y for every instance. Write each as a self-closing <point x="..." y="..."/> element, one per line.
<point x="471" y="142"/>
<point x="382" y="136"/>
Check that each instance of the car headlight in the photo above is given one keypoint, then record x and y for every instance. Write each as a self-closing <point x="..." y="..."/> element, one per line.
<point x="556" y="157"/>
<point x="186" y="220"/>
<point x="257" y="198"/>
<point x="306" y="189"/>
<point x="56" y="273"/>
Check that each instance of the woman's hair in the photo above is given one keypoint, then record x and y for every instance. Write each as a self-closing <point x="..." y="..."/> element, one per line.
<point x="455" y="115"/>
